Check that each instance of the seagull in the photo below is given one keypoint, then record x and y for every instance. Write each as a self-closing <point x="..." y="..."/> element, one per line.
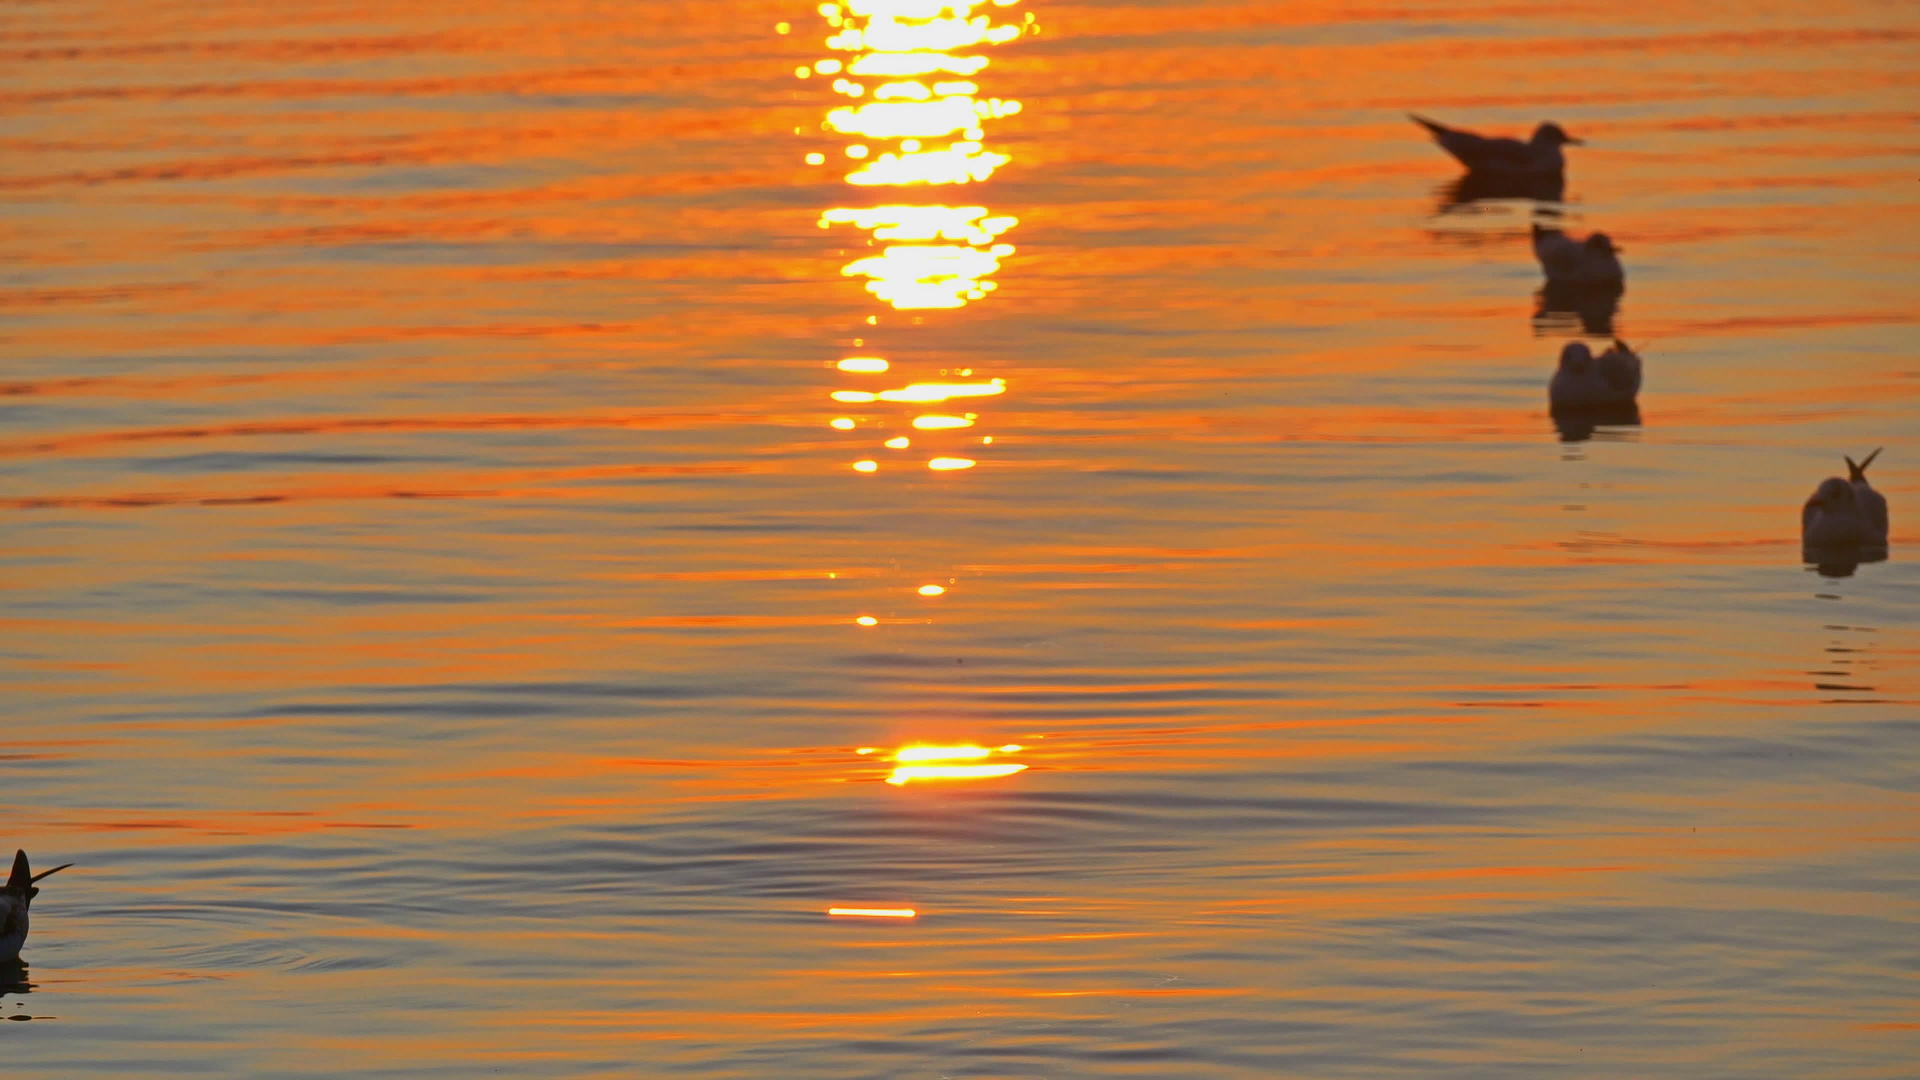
<point x="1593" y="263"/>
<point x="1845" y="513"/>
<point x="1539" y="155"/>
<point x="18" y="895"/>
<point x="1587" y="383"/>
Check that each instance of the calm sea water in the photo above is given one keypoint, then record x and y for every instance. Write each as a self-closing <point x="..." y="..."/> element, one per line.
<point x="443" y="622"/>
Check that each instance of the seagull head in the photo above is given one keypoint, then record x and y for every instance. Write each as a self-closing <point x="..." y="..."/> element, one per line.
<point x="1576" y="357"/>
<point x="22" y="882"/>
<point x="1601" y="242"/>
<point x="1551" y="134"/>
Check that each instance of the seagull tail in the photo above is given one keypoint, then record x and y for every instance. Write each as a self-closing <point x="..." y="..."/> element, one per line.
<point x="1437" y="129"/>
<point x="1857" y="472"/>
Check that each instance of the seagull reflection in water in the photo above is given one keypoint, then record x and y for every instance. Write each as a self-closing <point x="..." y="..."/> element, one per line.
<point x="1847" y="663"/>
<point x="1579" y="425"/>
<point x="13" y="977"/>
<point x="1563" y="310"/>
<point x="1473" y="187"/>
<point x="1589" y="391"/>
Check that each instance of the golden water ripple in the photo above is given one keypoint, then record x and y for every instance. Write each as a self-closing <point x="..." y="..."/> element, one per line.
<point x="434" y="565"/>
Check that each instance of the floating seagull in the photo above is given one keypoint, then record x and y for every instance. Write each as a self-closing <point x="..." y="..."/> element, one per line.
<point x="1846" y="514"/>
<point x="19" y="894"/>
<point x="1593" y="263"/>
<point x="1586" y="382"/>
<point x="1539" y="155"/>
<point x="1589" y="391"/>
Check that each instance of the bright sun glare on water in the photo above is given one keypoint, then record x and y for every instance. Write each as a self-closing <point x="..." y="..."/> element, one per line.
<point x="909" y="112"/>
<point x="874" y="913"/>
<point x="964" y="762"/>
<point x="919" y="122"/>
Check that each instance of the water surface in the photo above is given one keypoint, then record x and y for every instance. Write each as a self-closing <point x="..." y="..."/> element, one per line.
<point x="442" y="619"/>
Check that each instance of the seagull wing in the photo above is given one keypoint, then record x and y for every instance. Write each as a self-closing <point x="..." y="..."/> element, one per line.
<point x="1871" y="502"/>
<point x="1558" y="254"/>
<point x="1620" y="366"/>
<point x="1475" y="151"/>
<point x="1874" y="505"/>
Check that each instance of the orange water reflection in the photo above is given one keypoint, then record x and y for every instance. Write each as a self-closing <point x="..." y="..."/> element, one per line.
<point x="251" y="331"/>
<point x="920" y="762"/>
<point x="916" y="121"/>
<point x="874" y="913"/>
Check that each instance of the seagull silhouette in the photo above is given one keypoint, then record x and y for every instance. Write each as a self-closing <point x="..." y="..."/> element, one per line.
<point x="1593" y="263"/>
<point x="1846" y="513"/>
<point x="1539" y="155"/>
<point x="1587" y="382"/>
<point x="14" y="901"/>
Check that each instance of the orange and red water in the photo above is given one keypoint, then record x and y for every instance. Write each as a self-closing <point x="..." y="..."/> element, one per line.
<point x="486" y="513"/>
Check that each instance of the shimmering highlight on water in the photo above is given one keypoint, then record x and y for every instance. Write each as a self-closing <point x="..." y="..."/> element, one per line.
<point x="460" y="607"/>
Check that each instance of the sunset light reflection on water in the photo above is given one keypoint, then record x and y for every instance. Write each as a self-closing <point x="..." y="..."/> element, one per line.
<point x="930" y="131"/>
<point x="922" y="762"/>
<point x="909" y="38"/>
<point x="472" y="470"/>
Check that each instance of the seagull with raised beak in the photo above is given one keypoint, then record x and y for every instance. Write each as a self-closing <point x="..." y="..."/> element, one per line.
<point x="14" y="901"/>
<point x="1846" y="513"/>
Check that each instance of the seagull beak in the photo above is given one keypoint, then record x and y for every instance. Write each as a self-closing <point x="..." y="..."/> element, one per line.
<point x="1571" y="141"/>
<point x="44" y="873"/>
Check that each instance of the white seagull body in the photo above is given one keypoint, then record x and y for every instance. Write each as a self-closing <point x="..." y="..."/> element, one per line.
<point x="1585" y="382"/>
<point x="1538" y="156"/>
<point x="1845" y="513"/>
<point x="14" y="901"/>
<point x="1593" y="263"/>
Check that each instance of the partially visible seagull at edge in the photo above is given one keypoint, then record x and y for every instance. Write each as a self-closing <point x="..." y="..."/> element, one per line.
<point x="1593" y="263"/>
<point x="1586" y="383"/>
<point x="1538" y="156"/>
<point x="1846" y="514"/>
<point x="16" y="898"/>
